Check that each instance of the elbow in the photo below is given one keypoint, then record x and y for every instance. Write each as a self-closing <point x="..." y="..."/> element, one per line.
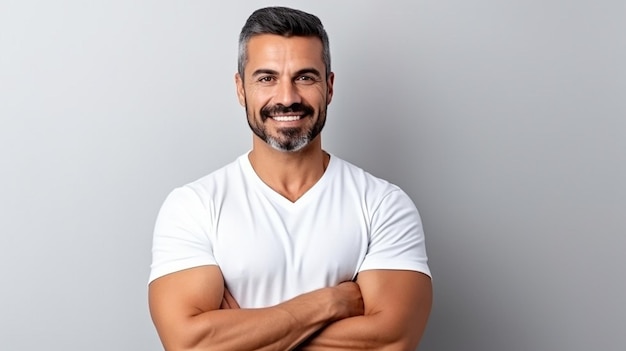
<point x="190" y="334"/>
<point x="173" y="341"/>
<point x="393" y="335"/>
<point x="394" y="341"/>
<point x="397" y="342"/>
<point x="404" y="344"/>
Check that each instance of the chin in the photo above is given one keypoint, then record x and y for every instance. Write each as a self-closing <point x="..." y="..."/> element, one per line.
<point x="293" y="146"/>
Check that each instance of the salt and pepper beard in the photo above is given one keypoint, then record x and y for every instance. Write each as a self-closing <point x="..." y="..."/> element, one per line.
<point x="295" y="137"/>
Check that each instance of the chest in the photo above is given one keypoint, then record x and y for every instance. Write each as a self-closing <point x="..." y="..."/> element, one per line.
<point x="289" y="250"/>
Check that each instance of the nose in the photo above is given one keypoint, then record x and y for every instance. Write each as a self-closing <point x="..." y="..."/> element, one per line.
<point x="287" y="93"/>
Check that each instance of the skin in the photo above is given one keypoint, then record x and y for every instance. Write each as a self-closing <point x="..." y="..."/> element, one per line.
<point x="286" y="71"/>
<point x="381" y="310"/>
<point x="192" y="311"/>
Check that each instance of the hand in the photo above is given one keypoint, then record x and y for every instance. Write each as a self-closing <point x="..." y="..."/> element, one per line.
<point x="349" y="299"/>
<point x="228" y="301"/>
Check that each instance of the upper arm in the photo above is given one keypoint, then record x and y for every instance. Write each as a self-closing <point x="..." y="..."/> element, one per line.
<point x="177" y="297"/>
<point x="399" y="301"/>
<point x="396" y="237"/>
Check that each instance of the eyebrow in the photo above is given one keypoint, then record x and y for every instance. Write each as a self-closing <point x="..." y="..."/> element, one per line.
<point x="310" y="70"/>
<point x="261" y="71"/>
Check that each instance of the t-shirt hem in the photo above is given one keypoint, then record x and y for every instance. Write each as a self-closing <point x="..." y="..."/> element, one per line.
<point x="404" y="266"/>
<point x="176" y="267"/>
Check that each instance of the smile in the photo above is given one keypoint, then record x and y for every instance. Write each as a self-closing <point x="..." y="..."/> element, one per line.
<point x="286" y="118"/>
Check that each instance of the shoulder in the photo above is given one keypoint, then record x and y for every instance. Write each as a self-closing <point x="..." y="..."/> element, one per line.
<point x="204" y="192"/>
<point x="378" y="197"/>
<point x="363" y="181"/>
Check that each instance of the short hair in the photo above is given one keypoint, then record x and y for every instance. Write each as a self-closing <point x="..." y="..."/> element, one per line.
<point x="282" y="21"/>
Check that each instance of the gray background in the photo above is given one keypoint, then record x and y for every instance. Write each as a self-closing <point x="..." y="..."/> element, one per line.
<point x="504" y="120"/>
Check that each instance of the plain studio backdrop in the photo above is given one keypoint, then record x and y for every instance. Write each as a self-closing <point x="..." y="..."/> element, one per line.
<point x="505" y="121"/>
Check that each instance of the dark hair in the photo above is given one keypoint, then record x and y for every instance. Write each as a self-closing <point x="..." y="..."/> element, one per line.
<point x="281" y="21"/>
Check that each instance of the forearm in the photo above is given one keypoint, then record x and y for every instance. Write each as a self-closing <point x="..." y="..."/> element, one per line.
<point x="397" y="306"/>
<point x="359" y="333"/>
<point x="281" y="327"/>
<point x="274" y="328"/>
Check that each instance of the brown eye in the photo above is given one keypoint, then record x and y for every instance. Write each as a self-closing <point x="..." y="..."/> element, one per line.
<point x="266" y="79"/>
<point x="305" y="80"/>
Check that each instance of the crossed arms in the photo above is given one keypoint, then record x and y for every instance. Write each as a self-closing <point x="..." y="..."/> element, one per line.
<point x="382" y="310"/>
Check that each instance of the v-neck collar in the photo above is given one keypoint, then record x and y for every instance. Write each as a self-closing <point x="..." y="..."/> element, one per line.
<point x="277" y="197"/>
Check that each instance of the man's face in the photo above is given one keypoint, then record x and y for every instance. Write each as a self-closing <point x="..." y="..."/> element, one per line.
<point x="285" y="90"/>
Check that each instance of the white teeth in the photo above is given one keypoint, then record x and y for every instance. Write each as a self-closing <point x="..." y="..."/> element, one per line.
<point x="286" y="118"/>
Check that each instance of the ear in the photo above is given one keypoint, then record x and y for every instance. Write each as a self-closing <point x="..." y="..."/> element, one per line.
<point x="329" y="92"/>
<point x="241" y="94"/>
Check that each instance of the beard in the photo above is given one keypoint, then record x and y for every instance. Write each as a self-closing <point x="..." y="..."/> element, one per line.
<point x="287" y="139"/>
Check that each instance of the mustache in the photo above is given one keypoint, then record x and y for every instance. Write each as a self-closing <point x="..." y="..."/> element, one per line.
<point x="274" y="110"/>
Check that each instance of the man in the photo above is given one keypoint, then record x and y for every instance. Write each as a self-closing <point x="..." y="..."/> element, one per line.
<point x="288" y="247"/>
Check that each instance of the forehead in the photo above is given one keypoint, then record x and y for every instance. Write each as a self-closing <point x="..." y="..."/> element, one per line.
<point x="276" y="51"/>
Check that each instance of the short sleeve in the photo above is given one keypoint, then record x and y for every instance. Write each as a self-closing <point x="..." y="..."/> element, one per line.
<point x="396" y="236"/>
<point x="181" y="238"/>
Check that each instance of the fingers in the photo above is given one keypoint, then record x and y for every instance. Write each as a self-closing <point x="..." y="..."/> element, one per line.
<point x="229" y="302"/>
<point x="350" y="299"/>
<point x="224" y="305"/>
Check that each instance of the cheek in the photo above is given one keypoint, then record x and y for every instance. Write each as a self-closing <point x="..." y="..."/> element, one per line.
<point x="257" y="98"/>
<point x="311" y="96"/>
<point x="322" y="95"/>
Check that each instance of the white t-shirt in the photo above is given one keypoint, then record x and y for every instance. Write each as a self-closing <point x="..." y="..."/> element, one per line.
<point x="270" y="249"/>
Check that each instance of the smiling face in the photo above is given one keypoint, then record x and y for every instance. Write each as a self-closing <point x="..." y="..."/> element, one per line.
<point x="285" y="90"/>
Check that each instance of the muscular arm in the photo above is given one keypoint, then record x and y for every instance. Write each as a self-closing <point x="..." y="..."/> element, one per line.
<point x="185" y="308"/>
<point x="397" y="306"/>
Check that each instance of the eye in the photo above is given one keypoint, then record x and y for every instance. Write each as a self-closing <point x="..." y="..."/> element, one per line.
<point x="266" y="79"/>
<point x="306" y="79"/>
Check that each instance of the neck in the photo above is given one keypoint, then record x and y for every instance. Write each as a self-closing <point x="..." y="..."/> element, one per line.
<point x="290" y="174"/>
